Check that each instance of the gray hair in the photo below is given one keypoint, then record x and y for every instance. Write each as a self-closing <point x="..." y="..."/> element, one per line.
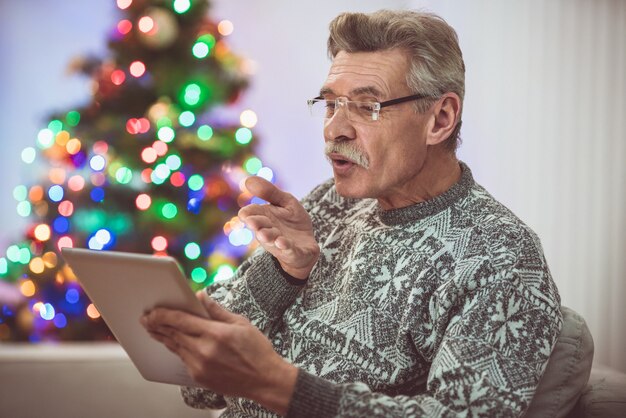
<point x="436" y="62"/>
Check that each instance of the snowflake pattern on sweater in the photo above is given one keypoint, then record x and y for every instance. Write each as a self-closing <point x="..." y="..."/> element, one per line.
<point x="445" y="308"/>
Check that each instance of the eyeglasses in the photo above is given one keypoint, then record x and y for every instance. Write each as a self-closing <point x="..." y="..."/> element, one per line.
<point x="363" y="112"/>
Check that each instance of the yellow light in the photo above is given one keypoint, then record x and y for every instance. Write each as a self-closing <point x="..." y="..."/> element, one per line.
<point x="73" y="146"/>
<point x="62" y="138"/>
<point x="248" y="118"/>
<point x="42" y="232"/>
<point x="59" y="278"/>
<point x="92" y="312"/>
<point x="35" y="194"/>
<point x="50" y="259"/>
<point x="37" y="307"/>
<point x="36" y="265"/>
<point x="57" y="175"/>
<point x="225" y="27"/>
<point x="27" y="288"/>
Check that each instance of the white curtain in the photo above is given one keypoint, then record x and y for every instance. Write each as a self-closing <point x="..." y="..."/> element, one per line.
<point x="544" y="130"/>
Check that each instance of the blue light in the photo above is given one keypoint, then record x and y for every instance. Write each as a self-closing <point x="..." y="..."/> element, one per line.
<point x="6" y="311"/>
<point x="60" y="321"/>
<point x="56" y="193"/>
<point x="97" y="194"/>
<point x="193" y="205"/>
<point x="61" y="225"/>
<point x="72" y="296"/>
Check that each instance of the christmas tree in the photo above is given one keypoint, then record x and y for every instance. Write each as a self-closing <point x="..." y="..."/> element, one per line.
<point x="153" y="163"/>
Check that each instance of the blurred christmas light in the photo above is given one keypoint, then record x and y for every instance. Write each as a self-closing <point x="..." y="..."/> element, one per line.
<point x="50" y="259"/>
<point x="145" y="24"/>
<point x="198" y="275"/>
<point x="149" y="155"/>
<point x="62" y="138"/>
<point x="20" y="193"/>
<point x="100" y="147"/>
<point x="35" y="194"/>
<point x="36" y="265"/>
<point x="13" y="253"/>
<point x="72" y="296"/>
<point x="55" y="126"/>
<point x="266" y="173"/>
<point x="97" y="194"/>
<point x="42" y="232"/>
<point x="65" y="242"/>
<point x="124" y="27"/>
<point x="243" y="136"/>
<point x="45" y="138"/>
<point x="47" y="312"/>
<point x="169" y="211"/>
<point x="192" y="94"/>
<point x="55" y="193"/>
<point x="66" y="208"/>
<point x="118" y="77"/>
<point x="225" y="27"/>
<point x="92" y="311"/>
<point x="248" y="118"/>
<point x="253" y="165"/>
<point x="28" y="155"/>
<point x="205" y="132"/>
<point x="57" y="175"/>
<point x="103" y="236"/>
<point x="161" y="172"/>
<point x="24" y="256"/>
<point x="143" y="201"/>
<point x="124" y="175"/>
<point x="72" y="118"/>
<point x="73" y="146"/>
<point x="166" y="134"/>
<point x="177" y="179"/>
<point x="200" y="50"/>
<point x="24" y="209"/>
<point x="173" y="162"/>
<point x="97" y="163"/>
<point x="187" y="118"/>
<point x="27" y="288"/>
<point x="124" y="4"/>
<point x="196" y="182"/>
<point x="4" y="266"/>
<point x="159" y="243"/>
<point x="137" y="126"/>
<point x="192" y="250"/>
<point x="146" y="175"/>
<point x="181" y="6"/>
<point x="61" y="225"/>
<point x="60" y="321"/>
<point x="76" y="183"/>
<point x="137" y="69"/>
<point x="160" y="147"/>
<point x="224" y="272"/>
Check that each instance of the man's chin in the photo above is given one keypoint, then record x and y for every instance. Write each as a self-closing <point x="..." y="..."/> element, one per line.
<point x="348" y="188"/>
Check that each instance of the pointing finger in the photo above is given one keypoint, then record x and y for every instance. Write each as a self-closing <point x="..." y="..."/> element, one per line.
<point x="262" y="188"/>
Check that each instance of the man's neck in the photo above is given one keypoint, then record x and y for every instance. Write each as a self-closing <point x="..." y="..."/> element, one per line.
<point x="441" y="170"/>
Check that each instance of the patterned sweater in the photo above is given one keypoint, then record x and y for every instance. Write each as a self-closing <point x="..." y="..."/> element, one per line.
<point x="444" y="308"/>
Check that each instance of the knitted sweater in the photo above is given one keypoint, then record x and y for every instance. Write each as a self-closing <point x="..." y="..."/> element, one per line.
<point x="444" y="308"/>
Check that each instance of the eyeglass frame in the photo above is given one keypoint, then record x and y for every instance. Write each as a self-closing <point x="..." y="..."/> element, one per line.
<point x="377" y="105"/>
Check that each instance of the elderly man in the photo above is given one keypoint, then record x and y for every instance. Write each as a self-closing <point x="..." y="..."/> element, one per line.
<point x="398" y="288"/>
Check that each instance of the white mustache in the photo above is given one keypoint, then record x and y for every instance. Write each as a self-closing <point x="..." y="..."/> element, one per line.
<point x="348" y="150"/>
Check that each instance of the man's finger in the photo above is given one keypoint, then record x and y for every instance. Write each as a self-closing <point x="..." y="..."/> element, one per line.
<point x="262" y="188"/>
<point x="183" y="321"/>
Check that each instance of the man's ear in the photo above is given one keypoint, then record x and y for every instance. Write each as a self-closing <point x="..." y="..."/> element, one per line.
<point x="444" y="117"/>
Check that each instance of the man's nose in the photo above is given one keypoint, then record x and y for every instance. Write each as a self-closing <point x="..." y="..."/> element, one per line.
<point x="339" y="126"/>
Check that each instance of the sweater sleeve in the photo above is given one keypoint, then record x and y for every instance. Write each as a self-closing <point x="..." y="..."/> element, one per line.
<point x="492" y="353"/>
<point x="259" y="290"/>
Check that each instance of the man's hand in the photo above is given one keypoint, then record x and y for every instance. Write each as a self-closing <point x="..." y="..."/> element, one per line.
<point x="283" y="227"/>
<point x="225" y="353"/>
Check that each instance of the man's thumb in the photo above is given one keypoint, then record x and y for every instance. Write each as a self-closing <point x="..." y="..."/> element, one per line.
<point x="215" y="310"/>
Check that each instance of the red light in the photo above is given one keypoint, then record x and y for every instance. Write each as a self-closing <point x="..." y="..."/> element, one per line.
<point x="118" y="77"/>
<point x="146" y="175"/>
<point x="159" y="243"/>
<point x="160" y="147"/>
<point x="137" y="126"/>
<point x="146" y="24"/>
<point x="124" y="26"/>
<point x="124" y="4"/>
<point x="177" y="179"/>
<point x="143" y="201"/>
<point x="149" y="155"/>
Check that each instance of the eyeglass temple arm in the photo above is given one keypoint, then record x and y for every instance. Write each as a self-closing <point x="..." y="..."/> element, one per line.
<point x="403" y="99"/>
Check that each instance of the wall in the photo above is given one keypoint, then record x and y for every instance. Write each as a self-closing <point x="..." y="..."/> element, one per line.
<point x="543" y="121"/>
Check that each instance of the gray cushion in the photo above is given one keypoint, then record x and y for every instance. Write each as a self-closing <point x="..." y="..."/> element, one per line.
<point x="604" y="396"/>
<point x="567" y="372"/>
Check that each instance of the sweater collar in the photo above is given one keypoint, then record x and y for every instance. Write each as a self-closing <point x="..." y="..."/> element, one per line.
<point x="429" y="207"/>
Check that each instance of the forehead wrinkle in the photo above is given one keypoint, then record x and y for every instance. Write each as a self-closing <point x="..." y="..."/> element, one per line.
<point x="376" y="85"/>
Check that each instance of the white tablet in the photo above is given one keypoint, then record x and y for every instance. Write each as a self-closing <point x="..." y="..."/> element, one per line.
<point x="123" y="286"/>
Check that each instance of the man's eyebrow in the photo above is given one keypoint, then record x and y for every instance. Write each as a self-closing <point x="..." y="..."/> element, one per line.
<point x="371" y="90"/>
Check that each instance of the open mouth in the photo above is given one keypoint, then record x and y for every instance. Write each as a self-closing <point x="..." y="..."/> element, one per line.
<point x="340" y="162"/>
